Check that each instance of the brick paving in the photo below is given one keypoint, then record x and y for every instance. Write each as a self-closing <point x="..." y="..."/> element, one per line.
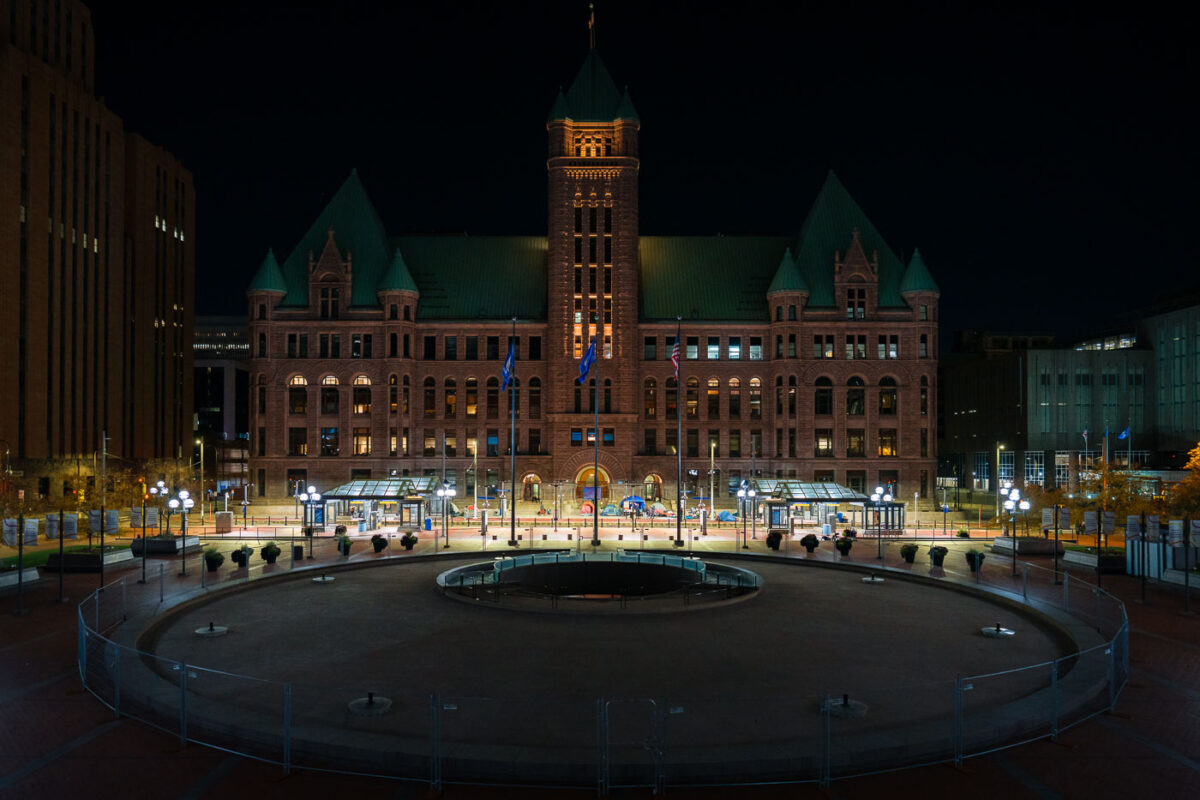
<point x="56" y="740"/>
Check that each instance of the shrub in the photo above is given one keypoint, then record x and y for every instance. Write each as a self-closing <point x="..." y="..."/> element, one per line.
<point x="213" y="556"/>
<point x="270" y="550"/>
<point x="849" y="533"/>
<point x="908" y="549"/>
<point x="939" y="550"/>
<point x="409" y="538"/>
<point x="963" y="533"/>
<point x="810" y="540"/>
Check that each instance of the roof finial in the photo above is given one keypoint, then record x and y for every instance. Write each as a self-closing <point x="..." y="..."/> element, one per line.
<point x="592" y="26"/>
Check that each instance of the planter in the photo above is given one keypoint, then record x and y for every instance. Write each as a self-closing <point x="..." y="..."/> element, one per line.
<point x="975" y="562"/>
<point x="409" y="545"/>
<point x="236" y="557"/>
<point x="844" y="550"/>
<point x="9" y="578"/>
<point x="908" y="557"/>
<point x="344" y="548"/>
<point x="87" y="562"/>
<point x="937" y="558"/>
<point x="810" y="547"/>
<point x="213" y="566"/>
<point x="774" y="539"/>
<point x="1026" y="545"/>
<point x="379" y="545"/>
<point x="271" y="559"/>
<point x="162" y="547"/>
<point x="1109" y="565"/>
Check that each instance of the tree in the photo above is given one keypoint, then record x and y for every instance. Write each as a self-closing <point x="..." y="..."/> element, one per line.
<point x="1183" y="499"/>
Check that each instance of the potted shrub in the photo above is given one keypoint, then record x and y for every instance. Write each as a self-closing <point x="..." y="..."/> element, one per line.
<point x="810" y="542"/>
<point x="308" y="531"/>
<point x="270" y="552"/>
<point x="773" y="539"/>
<point x="340" y="530"/>
<point x="408" y="540"/>
<point x="963" y="533"/>
<point x="849" y="533"/>
<point x="213" y="558"/>
<point x="244" y="555"/>
<point x="937" y="554"/>
<point x="238" y="557"/>
<point x="908" y="551"/>
<point x="343" y="544"/>
<point x="974" y="559"/>
<point x="844" y="544"/>
<point x="379" y="542"/>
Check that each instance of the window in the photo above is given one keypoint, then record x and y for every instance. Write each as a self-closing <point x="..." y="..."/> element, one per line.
<point x="714" y="443"/>
<point x="823" y="443"/>
<point x="262" y="400"/>
<point x="692" y="348"/>
<point x="923" y="348"/>
<point x="756" y="353"/>
<point x="887" y="396"/>
<point x="451" y="348"/>
<point x="430" y="352"/>
<point x="329" y="442"/>
<point x="649" y="442"/>
<point x="923" y="313"/>
<point x="393" y="341"/>
<point x="361" y="441"/>
<point x="735" y="444"/>
<point x="297" y="345"/>
<point x="450" y="443"/>
<point x="924" y="396"/>
<point x="779" y="313"/>
<point x="472" y="348"/>
<point x="856" y="443"/>
<point x="672" y="399"/>
<point x="692" y="436"/>
<point x="693" y="398"/>
<point x="329" y="302"/>
<point x="329" y="400"/>
<point x="362" y="400"/>
<point x="535" y="398"/>
<point x="735" y="398"/>
<point x="393" y="311"/>
<point x="535" y="348"/>
<point x="889" y="346"/>
<point x="360" y="345"/>
<point x="714" y="348"/>
<point x="262" y="310"/>
<point x="823" y="400"/>
<point x="714" y="398"/>
<point x="755" y="398"/>
<point x="887" y="442"/>
<point x="791" y="396"/>
<point x="430" y="442"/>
<point x="607" y="437"/>
<point x="493" y="348"/>
<point x="297" y="441"/>
<point x="925" y="447"/>
<point x="576" y="437"/>
<point x="262" y="345"/>
<point x="791" y="313"/>
<point x="297" y="400"/>
<point x="779" y="346"/>
<point x="472" y="397"/>
<point x="856" y="303"/>
<point x="856" y="347"/>
<point x="649" y="348"/>
<point x="649" y="399"/>
<point x="735" y="347"/>
<point x="493" y="398"/>
<point x="450" y="399"/>
<point x="262" y="441"/>
<point x="406" y="346"/>
<point x="756" y="442"/>
<point x="855" y="402"/>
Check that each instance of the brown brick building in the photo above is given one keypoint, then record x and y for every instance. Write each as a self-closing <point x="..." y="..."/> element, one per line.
<point x="96" y="253"/>
<point x="809" y="355"/>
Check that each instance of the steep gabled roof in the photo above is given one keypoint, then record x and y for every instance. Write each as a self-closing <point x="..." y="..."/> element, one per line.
<point x="787" y="277"/>
<point x="827" y="231"/>
<point x="626" y="110"/>
<point x="560" y="109"/>
<point x="593" y="96"/>
<point x="397" y="278"/>
<point x="477" y="277"/>
<point x="360" y="236"/>
<point x="269" y="277"/>
<point x="917" y="277"/>
<point x="679" y="272"/>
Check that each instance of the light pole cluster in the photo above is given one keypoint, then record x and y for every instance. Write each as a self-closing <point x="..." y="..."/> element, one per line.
<point x="1012" y="503"/>
<point x="309" y="499"/>
<point x="182" y="503"/>
<point x="745" y="498"/>
<point x="879" y="499"/>
<point x="445" y="492"/>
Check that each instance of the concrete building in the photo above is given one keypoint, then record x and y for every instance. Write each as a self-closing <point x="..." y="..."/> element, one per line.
<point x="97" y="249"/>
<point x="810" y="355"/>
<point x="222" y="383"/>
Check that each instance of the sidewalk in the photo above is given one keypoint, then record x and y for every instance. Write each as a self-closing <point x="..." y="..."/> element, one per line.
<point x="57" y="740"/>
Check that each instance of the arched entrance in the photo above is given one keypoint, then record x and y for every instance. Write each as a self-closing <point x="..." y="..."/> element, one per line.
<point x="531" y="488"/>
<point x="583" y="486"/>
<point x="652" y="488"/>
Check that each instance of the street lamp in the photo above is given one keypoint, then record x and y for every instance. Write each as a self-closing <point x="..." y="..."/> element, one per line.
<point x="999" y="488"/>
<point x="309" y="500"/>
<point x="879" y="499"/>
<point x="745" y="495"/>
<point x="1012" y="504"/>
<point x="200" y="442"/>
<point x="444" y="493"/>
<point x="182" y="503"/>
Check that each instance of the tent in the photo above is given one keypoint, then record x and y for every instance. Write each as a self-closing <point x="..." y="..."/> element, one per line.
<point x="633" y="502"/>
<point x="609" y="511"/>
<point x="726" y="516"/>
<point x="659" y="510"/>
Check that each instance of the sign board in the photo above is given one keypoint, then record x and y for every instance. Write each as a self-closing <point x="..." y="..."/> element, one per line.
<point x="135" y="517"/>
<point x="71" y="526"/>
<point x="1196" y="533"/>
<point x="1089" y="522"/>
<point x="1064" y="518"/>
<point x="1153" y="534"/>
<point x="1047" y="518"/>
<point x="1108" y="522"/>
<point x="31" y="531"/>
<point x="10" y="532"/>
<point x="52" y="527"/>
<point x="1175" y="533"/>
<point x="1133" y="528"/>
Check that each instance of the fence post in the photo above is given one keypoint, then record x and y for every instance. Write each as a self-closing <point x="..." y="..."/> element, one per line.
<point x="287" y="728"/>
<point x="1025" y="581"/>
<point x="82" y="646"/>
<point x="435" y="756"/>
<point x="160" y="582"/>
<point x="601" y="747"/>
<point x="1096" y="592"/>
<point x="1112" y="672"/>
<point x="116" y="680"/>
<point x="826" y="744"/>
<point x="182" y="704"/>
<point x="1054" y="698"/>
<point x="958" y="721"/>
<point x="124" y="607"/>
<point x="99" y="594"/>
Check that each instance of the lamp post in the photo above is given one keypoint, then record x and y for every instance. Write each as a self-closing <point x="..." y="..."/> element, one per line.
<point x="444" y="493"/>
<point x="1012" y="504"/>
<point x="145" y="544"/>
<point x="879" y="499"/>
<point x="742" y="494"/>
<point x="200" y="442"/>
<point x="309" y="500"/>
<point x="183" y="502"/>
<point x="999" y="492"/>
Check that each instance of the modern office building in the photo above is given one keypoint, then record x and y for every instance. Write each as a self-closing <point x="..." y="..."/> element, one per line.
<point x="809" y="355"/>
<point x="222" y="382"/>
<point x="97" y="250"/>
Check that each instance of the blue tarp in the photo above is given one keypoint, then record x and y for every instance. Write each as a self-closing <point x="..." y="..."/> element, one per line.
<point x="725" y="516"/>
<point x="632" y="502"/>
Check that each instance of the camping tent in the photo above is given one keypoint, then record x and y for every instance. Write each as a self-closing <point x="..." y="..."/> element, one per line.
<point x="726" y="516"/>
<point x="633" y="502"/>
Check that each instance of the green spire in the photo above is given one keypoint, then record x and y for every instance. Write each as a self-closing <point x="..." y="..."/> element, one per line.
<point x="626" y="110"/>
<point x="397" y="278"/>
<point x="788" y="277"/>
<point x="917" y="277"/>
<point x="269" y="277"/>
<point x="593" y="97"/>
<point x="559" y="110"/>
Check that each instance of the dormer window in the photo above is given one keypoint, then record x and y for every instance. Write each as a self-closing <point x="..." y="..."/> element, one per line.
<point x="329" y="302"/>
<point x="856" y="304"/>
<point x="592" y="145"/>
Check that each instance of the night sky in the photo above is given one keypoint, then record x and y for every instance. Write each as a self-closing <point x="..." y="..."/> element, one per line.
<point x="1036" y="157"/>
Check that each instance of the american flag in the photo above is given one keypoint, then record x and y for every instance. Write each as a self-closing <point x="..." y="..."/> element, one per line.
<point x="675" y="357"/>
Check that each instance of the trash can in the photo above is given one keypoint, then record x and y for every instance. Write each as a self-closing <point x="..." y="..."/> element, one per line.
<point x="428" y="524"/>
<point x="297" y="552"/>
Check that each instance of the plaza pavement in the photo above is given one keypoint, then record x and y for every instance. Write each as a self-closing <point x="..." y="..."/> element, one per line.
<point x="56" y="740"/>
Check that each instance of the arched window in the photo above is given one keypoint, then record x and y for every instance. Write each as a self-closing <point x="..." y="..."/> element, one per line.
<point x="672" y="398"/>
<point x="472" y="397"/>
<point x="652" y="488"/>
<point x="362" y="380"/>
<point x="450" y="398"/>
<point x="755" y="398"/>
<point x="430" y="404"/>
<point x="855" y="400"/>
<point x="362" y="399"/>
<point x="298" y="380"/>
<point x="735" y="398"/>
<point x="329" y="380"/>
<point x="649" y="399"/>
<point x="714" y="398"/>
<point x="493" y="398"/>
<point x="823" y="400"/>
<point x="693" y="398"/>
<point x="535" y="398"/>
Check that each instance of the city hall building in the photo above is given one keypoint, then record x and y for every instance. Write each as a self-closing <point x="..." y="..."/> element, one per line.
<point x="375" y="356"/>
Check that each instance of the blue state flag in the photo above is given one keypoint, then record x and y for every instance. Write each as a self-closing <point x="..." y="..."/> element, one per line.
<point x="589" y="358"/>
<point x="507" y="370"/>
<point x="1124" y="434"/>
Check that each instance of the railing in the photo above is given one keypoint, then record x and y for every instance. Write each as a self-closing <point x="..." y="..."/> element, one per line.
<point x="796" y="736"/>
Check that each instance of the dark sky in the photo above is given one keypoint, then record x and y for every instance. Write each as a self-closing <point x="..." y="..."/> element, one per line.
<point x="1036" y="156"/>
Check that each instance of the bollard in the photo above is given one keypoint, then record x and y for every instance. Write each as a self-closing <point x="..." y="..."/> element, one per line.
<point x="160" y="582"/>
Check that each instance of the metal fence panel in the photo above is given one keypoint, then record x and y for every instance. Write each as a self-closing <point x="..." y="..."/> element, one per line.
<point x="886" y="726"/>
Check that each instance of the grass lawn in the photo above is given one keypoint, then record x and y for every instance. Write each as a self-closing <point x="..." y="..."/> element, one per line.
<point x="38" y="558"/>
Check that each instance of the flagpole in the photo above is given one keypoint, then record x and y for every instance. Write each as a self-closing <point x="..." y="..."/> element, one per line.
<point x="680" y="405"/>
<point x="512" y="443"/>
<point x="596" y="449"/>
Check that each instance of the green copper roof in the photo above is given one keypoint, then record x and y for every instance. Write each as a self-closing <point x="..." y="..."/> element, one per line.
<point x="593" y="97"/>
<point x="559" y="110"/>
<point x="269" y="277"/>
<point x="827" y="231"/>
<point x="397" y="278"/>
<point x="788" y="277"/>
<point x="917" y="277"/>
<point x="679" y="273"/>
<point x="359" y="235"/>
<point x="626" y="110"/>
<point x="477" y="277"/>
